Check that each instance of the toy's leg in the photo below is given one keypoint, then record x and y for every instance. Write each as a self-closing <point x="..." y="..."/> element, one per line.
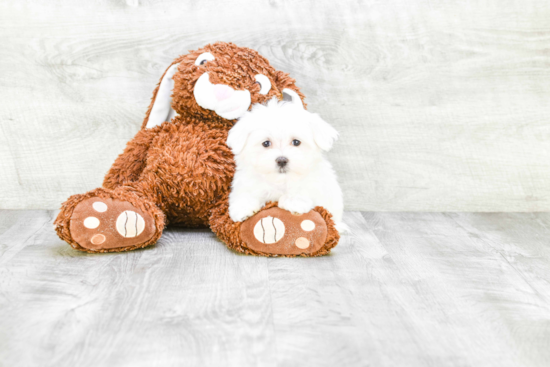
<point x="276" y="232"/>
<point x="105" y="220"/>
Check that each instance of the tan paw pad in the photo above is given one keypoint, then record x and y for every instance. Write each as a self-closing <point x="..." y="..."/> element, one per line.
<point x="302" y="242"/>
<point x="98" y="239"/>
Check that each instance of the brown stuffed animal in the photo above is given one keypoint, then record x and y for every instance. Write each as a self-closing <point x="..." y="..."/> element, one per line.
<point x="178" y="169"/>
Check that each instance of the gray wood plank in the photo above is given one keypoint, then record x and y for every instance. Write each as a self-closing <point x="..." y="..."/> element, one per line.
<point x="186" y="300"/>
<point x="462" y="302"/>
<point x="9" y="218"/>
<point x="410" y="289"/>
<point x="522" y="241"/>
<point x="442" y="106"/>
<point x="317" y="303"/>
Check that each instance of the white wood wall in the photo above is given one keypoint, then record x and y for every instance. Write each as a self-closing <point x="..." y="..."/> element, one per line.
<point x="441" y="105"/>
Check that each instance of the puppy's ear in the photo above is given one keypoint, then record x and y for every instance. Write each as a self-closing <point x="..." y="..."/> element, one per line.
<point x="236" y="139"/>
<point x="161" y="108"/>
<point x="324" y="135"/>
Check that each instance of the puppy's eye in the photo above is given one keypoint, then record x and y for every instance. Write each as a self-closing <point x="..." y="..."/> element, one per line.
<point x="204" y="58"/>
<point x="266" y="144"/>
<point x="296" y="142"/>
<point x="265" y="84"/>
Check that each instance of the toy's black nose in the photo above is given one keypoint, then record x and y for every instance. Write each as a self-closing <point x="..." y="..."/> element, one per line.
<point x="281" y="161"/>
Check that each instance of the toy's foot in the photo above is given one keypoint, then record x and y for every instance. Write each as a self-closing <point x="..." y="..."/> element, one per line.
<point x="99" y="223"/>
<point x="276" y="231"/>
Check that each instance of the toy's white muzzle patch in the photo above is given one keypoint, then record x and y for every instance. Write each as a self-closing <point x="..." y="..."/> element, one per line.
<point x="220" y="98"/>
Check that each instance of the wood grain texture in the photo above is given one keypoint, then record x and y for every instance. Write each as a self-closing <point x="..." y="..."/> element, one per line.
<point x="403" y="289"/>
<point x="442" y="106"/>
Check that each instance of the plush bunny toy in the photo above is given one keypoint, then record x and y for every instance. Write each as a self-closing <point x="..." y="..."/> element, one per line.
<point x="178" y="169"/>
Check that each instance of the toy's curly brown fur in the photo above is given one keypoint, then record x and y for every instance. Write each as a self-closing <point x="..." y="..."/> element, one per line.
<point x="180" y="172"/>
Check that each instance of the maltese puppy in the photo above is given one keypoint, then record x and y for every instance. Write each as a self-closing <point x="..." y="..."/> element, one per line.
<point x="278" y="150"/>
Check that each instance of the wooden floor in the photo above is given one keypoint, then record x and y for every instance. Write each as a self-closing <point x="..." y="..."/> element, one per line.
<point x="403" y="289"/>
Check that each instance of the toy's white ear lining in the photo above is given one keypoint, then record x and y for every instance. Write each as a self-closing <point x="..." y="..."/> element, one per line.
<point x="291" y="96"/>
<point x="162" y="107"/>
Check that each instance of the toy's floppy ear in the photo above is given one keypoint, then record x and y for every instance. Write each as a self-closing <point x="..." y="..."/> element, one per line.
<point x="324" y="135"/>
<point x="161" y="109"/>
<point x="288" y="88"/>
<point x="236" y="139"/>
<point x="291" y="96"/>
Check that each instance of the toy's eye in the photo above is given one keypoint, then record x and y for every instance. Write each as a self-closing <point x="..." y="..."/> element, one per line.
<point x="265" y="84"/>
<point x="296" y="142"/>
<point x="204" y="58"/>
<point x="266" y="144"/>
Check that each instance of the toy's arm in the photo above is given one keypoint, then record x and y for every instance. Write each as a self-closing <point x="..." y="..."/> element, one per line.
<point x="129" y="165"/>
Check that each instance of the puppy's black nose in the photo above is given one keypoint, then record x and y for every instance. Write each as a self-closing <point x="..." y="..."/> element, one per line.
<point x="281" y="161"/>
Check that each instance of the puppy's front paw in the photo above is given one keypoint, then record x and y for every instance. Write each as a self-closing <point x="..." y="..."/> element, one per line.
<point x="242" y="209"/>
<point x="296" y="204"/>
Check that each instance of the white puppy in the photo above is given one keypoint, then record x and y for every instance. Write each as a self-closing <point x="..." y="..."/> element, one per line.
<point x="278" y="150"/>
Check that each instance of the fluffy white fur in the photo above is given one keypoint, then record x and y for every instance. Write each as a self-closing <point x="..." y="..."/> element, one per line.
<point x="307" y="180"/>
